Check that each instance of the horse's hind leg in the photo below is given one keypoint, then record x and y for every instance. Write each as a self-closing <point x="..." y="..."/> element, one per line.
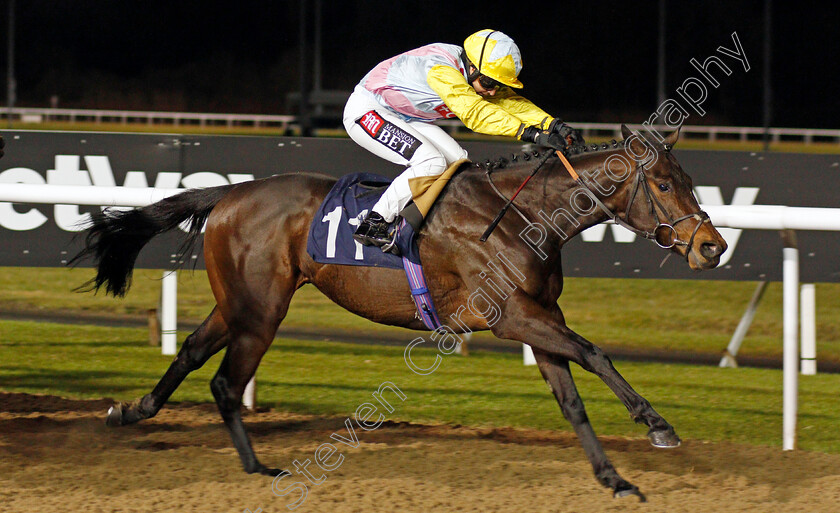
<point x="237" y="368"/>
<point x="253" y="325"/>
<point x="203" y="343"/>
<point x="556" y="372"/>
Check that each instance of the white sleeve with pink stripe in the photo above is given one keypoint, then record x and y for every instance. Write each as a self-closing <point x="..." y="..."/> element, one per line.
<point x="399" y="83"/>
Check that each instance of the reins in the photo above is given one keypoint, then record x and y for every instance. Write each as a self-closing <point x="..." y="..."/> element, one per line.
<point x="599" y="203"/>
<point x="509" y="203"/>
<point x="661" y="228"/>
<point x="664" y="235"/>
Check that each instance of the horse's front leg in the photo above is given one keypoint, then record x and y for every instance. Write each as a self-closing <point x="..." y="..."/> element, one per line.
<point x="593" y="359"/>
<point x="545" y="329"/>
<point x="558" y="376"/>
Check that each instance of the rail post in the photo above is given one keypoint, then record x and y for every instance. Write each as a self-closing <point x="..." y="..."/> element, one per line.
<point x="728" y="359"/>
<point x="790" y="329"/>
<point x="528" y="355"/>
<point x="249" y="396"/>
<point x="169" y="313"/>
<point x="808" y="328"/>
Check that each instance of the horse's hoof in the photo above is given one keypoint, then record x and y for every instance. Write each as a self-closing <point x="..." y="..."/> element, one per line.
<point x="627" y="492"/>
<point x="664" y="438"/>
<point x="123" y="414"/>
<point x="274" y="472"/>
<point x="115" y="416"/>
<point x="262" y="469"/>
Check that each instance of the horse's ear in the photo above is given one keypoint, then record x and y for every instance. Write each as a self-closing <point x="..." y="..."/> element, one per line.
<point x="625" y="132"/>
<point x="673" y="137"/>
<point x="637" y="145"/>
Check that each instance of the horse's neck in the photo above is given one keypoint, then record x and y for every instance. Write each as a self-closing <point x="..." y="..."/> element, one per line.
<point x="554" y="199"/>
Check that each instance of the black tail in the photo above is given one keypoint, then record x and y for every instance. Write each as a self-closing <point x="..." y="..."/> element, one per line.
<point x="114" y="238"/>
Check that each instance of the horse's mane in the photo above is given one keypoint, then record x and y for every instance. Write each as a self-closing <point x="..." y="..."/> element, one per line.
<point x="571" y="152"/>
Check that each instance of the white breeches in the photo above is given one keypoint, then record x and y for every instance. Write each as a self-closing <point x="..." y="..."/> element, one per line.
<point x="425" y="148"/>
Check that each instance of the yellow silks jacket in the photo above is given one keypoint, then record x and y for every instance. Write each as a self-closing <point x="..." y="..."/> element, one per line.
<point x="505" y="113"/>
<point x="430" y="83"/>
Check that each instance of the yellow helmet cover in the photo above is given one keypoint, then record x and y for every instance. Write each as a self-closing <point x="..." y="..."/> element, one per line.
<point x="495" y="55"/>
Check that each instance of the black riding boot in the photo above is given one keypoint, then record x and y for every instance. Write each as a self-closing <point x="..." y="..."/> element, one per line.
<point x="375" y="231"/>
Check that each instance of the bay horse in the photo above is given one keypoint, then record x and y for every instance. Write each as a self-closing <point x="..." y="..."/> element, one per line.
<point x="255" y="254"/>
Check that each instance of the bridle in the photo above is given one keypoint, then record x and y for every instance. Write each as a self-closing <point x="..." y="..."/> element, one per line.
<point x="665" y="233"/>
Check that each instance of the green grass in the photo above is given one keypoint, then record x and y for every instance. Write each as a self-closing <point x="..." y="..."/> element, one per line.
<point x="696" y="316"/>
<point x="486" y="389"/>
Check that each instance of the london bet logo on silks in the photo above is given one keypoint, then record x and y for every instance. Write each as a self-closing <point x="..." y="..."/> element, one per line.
<point x="389" y="134"/>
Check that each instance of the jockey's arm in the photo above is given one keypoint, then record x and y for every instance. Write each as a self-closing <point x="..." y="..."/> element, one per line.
<point x="521" y="107"/>
<point x="507" y="117"/>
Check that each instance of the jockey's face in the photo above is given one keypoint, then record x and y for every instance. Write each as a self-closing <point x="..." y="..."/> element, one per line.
<point x="482" y="91"/>
<point x="485" y="86"/>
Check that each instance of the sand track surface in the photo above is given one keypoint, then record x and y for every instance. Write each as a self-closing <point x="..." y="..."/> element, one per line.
<point x="57" y="455"/>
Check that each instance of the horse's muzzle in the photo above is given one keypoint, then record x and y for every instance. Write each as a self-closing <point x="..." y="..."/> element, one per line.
<point x="706" y="254"/>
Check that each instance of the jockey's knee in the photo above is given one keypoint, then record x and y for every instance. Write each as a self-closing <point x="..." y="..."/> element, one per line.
<point x="429" y="166"/>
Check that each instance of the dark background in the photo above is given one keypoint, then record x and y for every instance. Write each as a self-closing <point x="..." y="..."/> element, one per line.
<point x="584" y="61"/>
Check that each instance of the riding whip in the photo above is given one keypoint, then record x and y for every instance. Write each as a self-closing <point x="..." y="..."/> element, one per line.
<point x="504" y="210"/>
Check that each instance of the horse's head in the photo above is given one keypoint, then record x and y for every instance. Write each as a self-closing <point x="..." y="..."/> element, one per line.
<point x="658" y="199"/>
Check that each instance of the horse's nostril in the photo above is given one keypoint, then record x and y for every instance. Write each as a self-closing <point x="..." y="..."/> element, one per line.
<point x="710" y="250"/>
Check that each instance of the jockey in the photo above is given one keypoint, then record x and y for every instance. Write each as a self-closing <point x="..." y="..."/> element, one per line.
<point x="391" y="110"/>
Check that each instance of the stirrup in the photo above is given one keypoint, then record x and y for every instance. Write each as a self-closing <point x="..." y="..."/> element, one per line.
<point x="375" y="231"/>
<point x="373" y="239"/>
<point x="391" y="245"/>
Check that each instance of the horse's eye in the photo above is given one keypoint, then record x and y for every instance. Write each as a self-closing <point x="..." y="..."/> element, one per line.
<point x="664" y="187"/>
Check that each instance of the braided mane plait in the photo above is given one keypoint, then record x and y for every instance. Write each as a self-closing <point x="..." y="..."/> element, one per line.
<point x="586" y="148"/>
<point x="525" y="155"/>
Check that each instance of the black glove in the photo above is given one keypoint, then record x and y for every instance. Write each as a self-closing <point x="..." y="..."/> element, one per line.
<point x="573" y="137"/>
<point x="549" y="140"/>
